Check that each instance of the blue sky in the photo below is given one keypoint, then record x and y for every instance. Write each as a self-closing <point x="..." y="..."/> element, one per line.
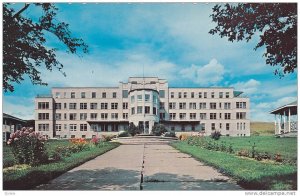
<point x="170" y="40"/>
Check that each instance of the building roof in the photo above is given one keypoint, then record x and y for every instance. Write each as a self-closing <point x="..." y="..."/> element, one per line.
<point x="7" y="116"/>
<point x="285" y="108"/>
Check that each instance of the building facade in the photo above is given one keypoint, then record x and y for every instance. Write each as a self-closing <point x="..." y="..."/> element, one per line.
<point x="10" y="125"/>
<point x="74" y="112"/>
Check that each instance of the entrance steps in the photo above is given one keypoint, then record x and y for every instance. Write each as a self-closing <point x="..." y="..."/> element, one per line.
<point x="144" y="139"/>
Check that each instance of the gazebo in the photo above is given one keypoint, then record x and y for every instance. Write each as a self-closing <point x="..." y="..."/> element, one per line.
<point x="286" y="118"/>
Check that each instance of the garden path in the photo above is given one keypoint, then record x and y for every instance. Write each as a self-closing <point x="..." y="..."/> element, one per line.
<point x="142" y="164"/>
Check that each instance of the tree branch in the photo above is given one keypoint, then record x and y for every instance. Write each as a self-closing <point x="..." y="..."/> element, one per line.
<point x="22" y="10"/>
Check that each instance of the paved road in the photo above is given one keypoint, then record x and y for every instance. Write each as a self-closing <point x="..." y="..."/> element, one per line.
<point x="142" y="166"/>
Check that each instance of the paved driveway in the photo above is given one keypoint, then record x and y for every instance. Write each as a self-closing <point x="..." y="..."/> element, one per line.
<point x="142" y="166"/>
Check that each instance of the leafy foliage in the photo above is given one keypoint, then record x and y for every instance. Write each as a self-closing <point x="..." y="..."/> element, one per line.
<point x="215" y="135"/>
<point x="276" y="22"/>
<point x="159" y="129"/>
<point x="24" y="44"/>
<point x="132" y="129"/>
<point x="28" y="147"/>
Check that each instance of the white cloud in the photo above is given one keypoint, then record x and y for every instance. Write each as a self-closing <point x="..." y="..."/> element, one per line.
<point x="249" y="87"/>
<point x="20" y="107"/>
<point x="209" y="74"/>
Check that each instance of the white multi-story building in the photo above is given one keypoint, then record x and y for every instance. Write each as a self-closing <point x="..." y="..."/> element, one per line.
<point x="85" y="111"/>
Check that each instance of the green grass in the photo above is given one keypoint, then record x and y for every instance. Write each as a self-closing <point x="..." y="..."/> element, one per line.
<point x="249" y="173"/>
<point x="287" y="147"/>
<point x="28" y="178"/>
<point x="262" y="128"/>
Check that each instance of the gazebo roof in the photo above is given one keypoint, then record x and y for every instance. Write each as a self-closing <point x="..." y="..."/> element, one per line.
<point x="285" y="108"/>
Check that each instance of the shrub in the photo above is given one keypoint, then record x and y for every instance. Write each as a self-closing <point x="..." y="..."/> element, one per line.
<point x="123" y="134"/>
<point x="95" y="140"/>
<point x="278" y="158"/>
<point x="243" y="153"/>
<point x="170" y="134"/>
<point x="132" y="129"/>
<point x="183" y="136"/>
<point x="107" y="138"/>
<point x="215" y="135"/>
<point x="28" y="147"/>
<point x="78" y="144"/>
<point x="159" y="129"/>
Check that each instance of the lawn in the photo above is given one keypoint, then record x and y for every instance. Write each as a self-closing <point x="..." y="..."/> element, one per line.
<point x="262" y="128"/>
<point x="250" y="173"/>
<point x="23" y="177"/>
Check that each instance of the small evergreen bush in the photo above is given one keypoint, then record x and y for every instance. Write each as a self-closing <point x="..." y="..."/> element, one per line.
<point x="215" y="135"/>
<point x="159" y="129"/>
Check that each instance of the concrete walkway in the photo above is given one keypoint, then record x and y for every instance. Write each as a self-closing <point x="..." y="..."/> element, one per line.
<point x="142" y="166"/>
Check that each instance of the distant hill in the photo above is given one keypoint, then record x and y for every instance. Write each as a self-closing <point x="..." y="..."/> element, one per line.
<point x="262" y="128"/>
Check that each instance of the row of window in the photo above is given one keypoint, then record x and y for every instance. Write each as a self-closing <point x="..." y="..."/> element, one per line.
<point x="240" y="126"/>
<point x="92" y="116"/>
<point x="203" y="116"/>
<point x="84" y="95"/>
<point x="145" y="98"/>
<point x="84" y="127"/>
<point x="84" y="106"/>
<point x="200" y="95"/>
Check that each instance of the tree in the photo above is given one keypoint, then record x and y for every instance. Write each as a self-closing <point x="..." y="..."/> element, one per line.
<point x="276" y="23"/>
<point x="24" y="44"/>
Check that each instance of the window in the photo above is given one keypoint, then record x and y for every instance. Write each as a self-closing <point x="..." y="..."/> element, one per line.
<point x="93" y="116"/>
<point x="82" y="94"/>
<point x="83" y="127"/>
<point x="72" y="95"/>
<point x="43" y="105"/>
<point x="162" y="93"/>
<point x="227" y="106"/>
<point x="241" y="105"/>
<point x="65" y="94"/>
<point x="154" y="111"/>
<point x="147" y="97"/>
<point x="220" y="105"/>
<point x="139" y="98"/>
<point x="65" y="116"/>
<point x="179" y="95"/>
<point x="172" y="94"/>
<point x="83" y="116"/>
<point x="212" y="95"/>
<point x="213" y="126"/>
<point x="114" y="116"/>
<point x="65" y="127"/>
<point x="57" y="116"/>
<point x="104" y="106"/>
<point x="172" y="105"/>
<point x="213" y="106"/>
<point x="220" y="125"/>
<point x="93" y="94"/>
<point x="220" y="115"/>
<point x="162" y="116"/>
<point x="72" y="136"/>
<point x="43" y="116"/>
<point x="192" y="95"/>
<point x="58" y="106"/>
<point x="114" y="106"/>
<point x="132" y="111"/>
<point x="227" y="94"/>
<point x="227" y="126"/>
<point x="185" y="95"/>
<point x="237" y="126"/>
<point x="103" y="94"/>
<point x="73" y="127"/>
<point x="212" y="116"/>
<point x="220" y="94"/>
<point x="244" y="127"/>
<point x="193" y="127"/>
<point x="43" y="127"/>
<point x="93" y="106"/>
<point x="83" y="106"/>
<point x="172" y="128"/>
<point x="227" y="115"/>
<point x="182" y="105"/>
<point x="72" y="116"/>
<point x="161" y="105"/>
<point x="57" y="95"/>
<point x="182" y="128"/>
<point x="125" y="115"/>
<point x="154" y="99"/>
<point x="125" y="105"/>
<point x="202" y="125"/>
<point x="172" y="116"/>
<point x="104" y="116"/>
<point x="202" y="116"/>
<point x="202" y="106"/>
<point x="200" y="94"/>
<point x="241" y="115"/>
<point x="205" y="95"/>
<point x="94" y="127"/>
<point x="139" y="109"/>
<point x="192" y="116"/>
<point x="82" y="136"/>
<point x="182" y="116"/>
<point x="125" y="93"/>
<point x="147" y="110"/>
<point x="114" y="127"/>
<point x="193" y="106"/>
<point x="132" y="99"/>
<point x="72" y="106"/>
<point x="65" y="105"/>
<point x="58" y="127"/>
<point x="104" y="127"/>
<point x="114" y="95"/>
